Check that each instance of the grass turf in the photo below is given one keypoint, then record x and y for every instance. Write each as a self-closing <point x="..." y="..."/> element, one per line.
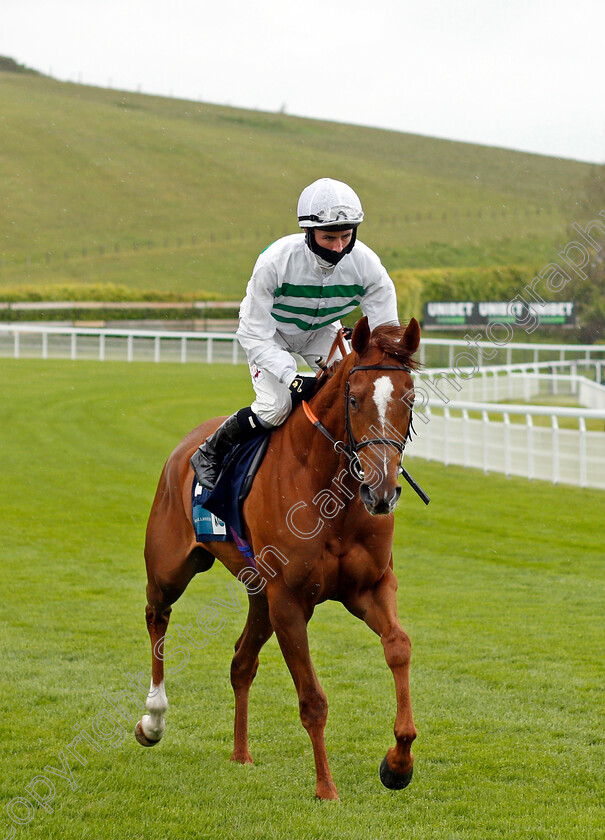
<point x="501" y="590"/>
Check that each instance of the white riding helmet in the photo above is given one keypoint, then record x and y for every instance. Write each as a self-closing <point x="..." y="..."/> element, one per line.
<point x="328" y="203"/>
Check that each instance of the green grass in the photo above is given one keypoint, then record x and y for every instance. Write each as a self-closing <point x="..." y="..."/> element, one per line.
<point x="501" y="590"/>
<point x="86" y="170"/>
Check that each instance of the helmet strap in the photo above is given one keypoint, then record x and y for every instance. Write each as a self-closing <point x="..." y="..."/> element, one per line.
<point x="333" y="257"/>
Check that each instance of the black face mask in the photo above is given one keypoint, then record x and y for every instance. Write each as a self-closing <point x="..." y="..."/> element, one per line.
<point x="333" y="257"/>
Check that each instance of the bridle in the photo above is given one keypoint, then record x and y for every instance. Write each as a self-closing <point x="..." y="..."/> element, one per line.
<point x="353" y="447"/>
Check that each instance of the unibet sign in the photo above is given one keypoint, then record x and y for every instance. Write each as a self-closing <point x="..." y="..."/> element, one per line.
<point x="452" y="314"/>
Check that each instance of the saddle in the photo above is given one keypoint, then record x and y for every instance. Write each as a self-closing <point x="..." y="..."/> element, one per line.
<point x="218" y="512"/>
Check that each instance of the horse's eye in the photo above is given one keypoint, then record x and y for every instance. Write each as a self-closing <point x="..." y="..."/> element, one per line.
<point x="353" y="402"/>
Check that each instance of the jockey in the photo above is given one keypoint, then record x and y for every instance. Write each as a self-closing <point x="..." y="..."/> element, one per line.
<point x="300" y="287"/>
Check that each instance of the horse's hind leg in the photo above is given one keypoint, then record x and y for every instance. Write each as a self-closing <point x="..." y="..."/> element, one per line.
<point x="151" y="727"/>
<point x="244" y="665"/>
<point x="166" y="584"/>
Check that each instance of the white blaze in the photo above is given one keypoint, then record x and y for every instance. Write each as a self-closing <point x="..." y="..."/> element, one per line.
<point x="383" y="390"/>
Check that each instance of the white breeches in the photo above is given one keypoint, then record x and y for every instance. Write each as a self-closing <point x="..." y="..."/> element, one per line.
<point x="273" y="401"/>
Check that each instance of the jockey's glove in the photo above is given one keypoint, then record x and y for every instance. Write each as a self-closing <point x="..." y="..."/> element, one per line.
<point x="302" y="388"/>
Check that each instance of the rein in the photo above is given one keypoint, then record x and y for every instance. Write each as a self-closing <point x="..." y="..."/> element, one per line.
<point x="352" y="448"/>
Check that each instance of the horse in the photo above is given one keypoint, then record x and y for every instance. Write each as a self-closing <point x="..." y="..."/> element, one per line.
<point x="319" y="528"/>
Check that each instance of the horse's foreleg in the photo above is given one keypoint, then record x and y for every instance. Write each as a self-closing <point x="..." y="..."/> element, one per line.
<point x="290" y="624"/>
<point x="257" y="631"/>
<point x="378" y="608"/>
<point x="151" y="727"/>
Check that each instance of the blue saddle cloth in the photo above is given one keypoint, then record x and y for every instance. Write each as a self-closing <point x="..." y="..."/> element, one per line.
<point x="234" y="483"/>
<point x="207" y="526"/>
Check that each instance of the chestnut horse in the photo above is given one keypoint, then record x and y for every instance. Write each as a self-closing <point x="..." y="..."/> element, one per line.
<point x="319" y="530"/>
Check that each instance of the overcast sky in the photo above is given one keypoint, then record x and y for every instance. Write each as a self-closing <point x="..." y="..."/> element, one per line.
<point x="524" y="74"/>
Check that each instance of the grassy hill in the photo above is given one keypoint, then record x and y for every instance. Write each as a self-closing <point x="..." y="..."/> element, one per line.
<point x="104" y="186"/>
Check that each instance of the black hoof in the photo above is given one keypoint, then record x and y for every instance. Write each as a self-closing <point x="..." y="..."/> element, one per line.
<point x="394" y="781"/>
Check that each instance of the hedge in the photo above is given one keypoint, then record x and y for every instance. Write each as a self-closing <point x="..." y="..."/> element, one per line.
<point x="98" y="292"/>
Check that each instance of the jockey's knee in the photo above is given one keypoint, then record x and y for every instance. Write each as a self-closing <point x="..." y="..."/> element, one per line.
<point x="271" y="419"/>
<point x="273" y="413"/>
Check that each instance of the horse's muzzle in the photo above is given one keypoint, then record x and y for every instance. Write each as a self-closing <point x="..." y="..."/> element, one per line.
<point x="379" y="504"/>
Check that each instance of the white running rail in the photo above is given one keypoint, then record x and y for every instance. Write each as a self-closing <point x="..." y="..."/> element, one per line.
<point x="45" y="341"/>
<point x="580" y="380"/>
<point x="489" y="436"/>
<point x="464" y="425"/>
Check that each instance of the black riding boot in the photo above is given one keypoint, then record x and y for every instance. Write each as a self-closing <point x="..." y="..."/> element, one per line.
<point x="208" y="458"/>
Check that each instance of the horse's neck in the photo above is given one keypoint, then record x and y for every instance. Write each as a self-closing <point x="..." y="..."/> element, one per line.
<point x="329" y="404"/>
<point x="316" y="453"/>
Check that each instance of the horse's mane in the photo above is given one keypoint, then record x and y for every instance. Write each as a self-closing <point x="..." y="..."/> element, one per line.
<point x="388" y="340"/>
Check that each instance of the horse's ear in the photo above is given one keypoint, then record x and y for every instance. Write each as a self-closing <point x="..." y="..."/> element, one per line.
<point x="411" y="337"/>
<point x="361" y="336"/>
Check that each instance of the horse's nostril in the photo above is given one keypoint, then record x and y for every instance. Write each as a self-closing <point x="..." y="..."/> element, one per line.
<point x="394" y="497"/>
<point x="367" y="495"/>
<point x="377" y="505"/>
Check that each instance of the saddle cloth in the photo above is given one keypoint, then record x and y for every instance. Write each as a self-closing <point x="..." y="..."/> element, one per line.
<point x="217" y="513"/>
